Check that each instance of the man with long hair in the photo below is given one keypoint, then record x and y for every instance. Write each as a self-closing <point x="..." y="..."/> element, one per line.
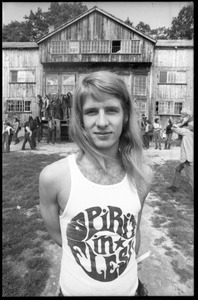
<point x="91" y="202"/>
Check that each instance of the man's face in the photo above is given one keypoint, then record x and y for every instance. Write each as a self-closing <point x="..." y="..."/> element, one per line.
<point x="103" y="121"/>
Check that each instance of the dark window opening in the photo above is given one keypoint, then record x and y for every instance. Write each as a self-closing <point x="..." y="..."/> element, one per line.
<point x="156" y="107"/>
<point x="116" y="46"/>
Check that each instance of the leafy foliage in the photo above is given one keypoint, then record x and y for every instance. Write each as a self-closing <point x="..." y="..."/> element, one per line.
<point x="37" y="24"/>
<point x="128" y="22"/>
<point x="145" y="28"/>
<point x="183" y="25"/>
<point x="15" y="32"/>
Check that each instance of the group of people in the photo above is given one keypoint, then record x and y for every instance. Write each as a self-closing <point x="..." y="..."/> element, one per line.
<point x="33" y="132"/>
<point x="58" y="107"/>
<point x="156" y="133"/>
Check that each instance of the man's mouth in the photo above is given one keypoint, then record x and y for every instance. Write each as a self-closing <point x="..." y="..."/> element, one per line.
<point x="103" y="133"/>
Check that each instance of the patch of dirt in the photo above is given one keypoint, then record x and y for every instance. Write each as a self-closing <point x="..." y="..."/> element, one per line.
<point x="157" y="272"/>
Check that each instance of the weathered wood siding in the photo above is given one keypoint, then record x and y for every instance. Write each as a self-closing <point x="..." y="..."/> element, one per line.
<point x="21" y="60"/>
<point x="96" y="27"/>
<point x="173" y="59"/>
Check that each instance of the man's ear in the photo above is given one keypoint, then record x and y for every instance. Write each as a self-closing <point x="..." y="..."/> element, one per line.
<point x="126" y="118"/>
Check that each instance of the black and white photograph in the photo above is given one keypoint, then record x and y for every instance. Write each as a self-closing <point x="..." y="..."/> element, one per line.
<point x="97" y="149"/>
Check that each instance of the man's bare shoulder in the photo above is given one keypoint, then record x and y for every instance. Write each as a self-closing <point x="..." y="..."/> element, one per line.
<point x="54" y="172"/>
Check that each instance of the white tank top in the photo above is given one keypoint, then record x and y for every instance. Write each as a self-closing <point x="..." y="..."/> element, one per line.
<point x="98" y="228"/>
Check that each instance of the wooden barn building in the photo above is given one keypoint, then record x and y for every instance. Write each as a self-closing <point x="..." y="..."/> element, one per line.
<point x="159" y="74"/>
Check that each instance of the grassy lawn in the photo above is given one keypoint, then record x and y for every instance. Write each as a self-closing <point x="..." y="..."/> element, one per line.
<point x="26" y="268"/>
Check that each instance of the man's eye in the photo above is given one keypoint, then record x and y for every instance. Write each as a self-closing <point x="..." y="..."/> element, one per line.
<point x="112" y="110"/>
<point x="90" y="112"/>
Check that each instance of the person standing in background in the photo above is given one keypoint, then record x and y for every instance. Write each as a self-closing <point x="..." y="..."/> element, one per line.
<point x="186" y="155"/>
<point x="147" y="132"/>
<point x="16" y="126"/>
<point x="38" y="129"/>
<point x="33" y="128"/>
<point x="169" y="132"/>
<point x="27" y="136"/>
<point x="51" y="130"/>
<point x="156" y="133"/>
<point x="7" y="134"/>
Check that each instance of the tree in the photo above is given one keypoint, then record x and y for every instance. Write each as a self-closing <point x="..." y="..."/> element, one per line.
<point x="128" y="22"/>
<point x="144" y="28"/>
<point x="15" y="32"/>
<point x="60" y="13"/>
<point x="183" y="25"/>
<point x="37" y="24"/>
<point x="160" y="33"/>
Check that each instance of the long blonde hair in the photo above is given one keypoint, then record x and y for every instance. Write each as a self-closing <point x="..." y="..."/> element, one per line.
<point x="98" y="85"/>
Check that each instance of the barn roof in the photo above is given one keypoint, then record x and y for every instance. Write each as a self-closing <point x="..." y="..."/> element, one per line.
<point x="15" y="45"/>
<point x="95" y="8"/>
<point x="174" y="43"/>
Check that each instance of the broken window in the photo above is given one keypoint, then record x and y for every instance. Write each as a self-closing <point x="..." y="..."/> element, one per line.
<point x="116" y="46"/>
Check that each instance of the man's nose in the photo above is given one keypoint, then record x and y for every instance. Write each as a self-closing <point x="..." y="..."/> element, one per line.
<point x="102" y="120"/>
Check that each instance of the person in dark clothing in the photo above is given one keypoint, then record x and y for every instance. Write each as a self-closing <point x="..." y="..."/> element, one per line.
<point x="40" y="104"/>
<point x="27" y="136"/>
<point x="51" y="130"/>
<point x="169" y="133"/>
<point x="38" y="129"/>
<point x="33" y="128"/>
<point x="146" y="135"/>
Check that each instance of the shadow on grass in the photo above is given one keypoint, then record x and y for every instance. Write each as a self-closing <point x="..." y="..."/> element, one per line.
<point x="174" y="212"/>
<point x="25" y="266"/>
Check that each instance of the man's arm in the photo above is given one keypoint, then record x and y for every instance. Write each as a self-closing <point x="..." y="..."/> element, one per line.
<point x="178" y="130"/>
<point x="142" y="196"/>
<point x="49" y="206"/>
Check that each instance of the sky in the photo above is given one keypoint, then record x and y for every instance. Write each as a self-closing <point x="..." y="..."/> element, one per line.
<point x="155" y="14"/>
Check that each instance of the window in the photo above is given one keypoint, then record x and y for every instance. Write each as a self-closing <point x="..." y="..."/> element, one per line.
<point x="59" y="47"/>
<point x="172" y="77"/>
<point x="74" y="47"/>
<point x="95" y="46"/>
<point x="27" y="106"/>
<point x="178" y="108"/>
<point x="168" y="107"/>
<point x="51" y="83"/>
<point x="22" y="76"/>
<point x="68" y="83"/>
<point x="65" y="47"/>
<point x="140" y="84"/>
<point x="130" y="46"/>
<point x="18" y="106"/>
<point x="116" y="46"/>
<point x="135" y="47"/>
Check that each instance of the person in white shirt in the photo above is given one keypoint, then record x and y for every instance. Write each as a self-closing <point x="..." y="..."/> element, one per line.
<point x="6" y="137"/>
<point x="91" y="202"/>
<point x="186" y="156"/>
<point x="156" y="133"/>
